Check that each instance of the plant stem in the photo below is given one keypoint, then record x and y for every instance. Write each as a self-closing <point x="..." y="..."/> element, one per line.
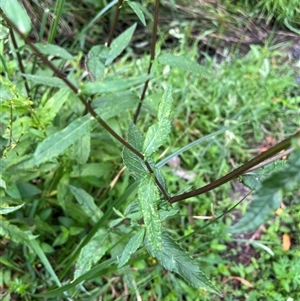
<point x="237" y="172"/>
<point x="14" y="42"/>
<point x="113" y="27"/>
<point x="152" y="57"/>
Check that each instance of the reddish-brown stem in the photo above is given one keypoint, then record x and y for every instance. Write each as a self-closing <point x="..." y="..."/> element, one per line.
<point x="113" y="27"/>
<point x="152" y="57"/>
<point x="237" y="172"/>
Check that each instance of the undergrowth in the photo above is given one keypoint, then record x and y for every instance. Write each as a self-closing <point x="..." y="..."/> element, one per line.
<point x="197" y="135"/>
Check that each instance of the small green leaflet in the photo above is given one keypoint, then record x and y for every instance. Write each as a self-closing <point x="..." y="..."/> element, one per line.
<point x="133" y="244"/>
<point x="6" y="210"/>
<point x="119" y="44"/>
<point x="17" y="14"/>
<point x="137" y="8"/>
<point x="159" y="131"/>
<point x="112" y="85"/>
<point x="57" y="143"/>
<point x="148" y="197"/>
<point x="174" y="259"/>
<point x="91" y="253"/>
<point x="183" y="64"/>
<point x="46" y="80"/>
<point x="54" y="50"/>
<point x="87" y="203"/>
<point x="53" y="105"/>
<point x="135" y="165"/>
<point x="95" y="62"/>
<point x="269" y="195"/>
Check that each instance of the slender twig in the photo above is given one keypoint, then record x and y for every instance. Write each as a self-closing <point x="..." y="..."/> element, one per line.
<point x="14" y="42"/>
<point x="273" y="159"/>
<point x="152" y="57"/>
<point x="237" y="172"/>
<point x="113" y="27"/>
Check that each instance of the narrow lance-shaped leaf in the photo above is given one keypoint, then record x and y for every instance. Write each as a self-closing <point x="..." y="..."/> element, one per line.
<point x="17" y="14"/>
<point x="86" y="202"/>
<point x="135" y="165"/>
<point x="174" y="259"/>
<point x="269" y="195"/>
<point x="148" y="197"/>
<point x="91" y="253"/>
<point x="137" y="8"/>
<point x="133" y="244"/>
<point x="119" y="44"/>
<point x="183" y="64"/>
<point x="159" y="132"/>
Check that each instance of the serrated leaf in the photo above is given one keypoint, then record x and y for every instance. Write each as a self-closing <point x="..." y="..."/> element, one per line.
<point x="54" y="50"/>
<point x="119" y="44"/>
<point x="148" y="197"/>
<point x="269" y="195"/>
<point x="95" y="62"/>
<point x="57" y="143"/>
<point x="135" y="165"/>
<point x="174" y="259"/>
<point x="17" y="14"/>
<point x="6" y="210"/>
<point x="112" y="85"/>
<point x="183" y="64"/>
<point x="133" y="244"/>
<point x="113" y="104"/>
<point x="137" y="8"/>
<point x="159" y="132"/>
<point x="45" y="80"/>
<point x="53" y="105"/>
<point x="87" y="203"/>
<point x="91" y="253"/>
<point x="13" y="233"/>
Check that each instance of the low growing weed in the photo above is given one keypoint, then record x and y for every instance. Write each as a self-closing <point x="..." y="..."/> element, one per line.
<point x="76" y="224"/>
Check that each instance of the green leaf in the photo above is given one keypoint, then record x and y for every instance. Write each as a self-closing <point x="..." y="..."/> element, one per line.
<point x="159" y="132"/>
<point x="91" y="169"/>
<point x="57" y="143"/>
<point x="46" y="80"/>
<point x="174" y="259"/>
<point x="83" y="149"/>
<point x="254" y="178"/>
<point x="6" y="210"/>
<point x="54" y="50"/>
<point x="91" y="253"/>
<point x="119" y="44"/>
<point x="17" y="14"/>
<point x="95" y="62"/>
<point x="269" y="195"/>
<point x="40" y="253"/>
<point x="87" y="203"/>
<point x="135" y="165"/>
<point x="13" y="233"/>
<point x="28" y="190"/>
<point x="183" y="64"/>
<point x="137" y="8"/>
<point x="53" y="105"/>
<point x="112" y="85"/>
<point x="113" y="104"/>
<point x="133" y="244"/>
<point x="148" y="197"/>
